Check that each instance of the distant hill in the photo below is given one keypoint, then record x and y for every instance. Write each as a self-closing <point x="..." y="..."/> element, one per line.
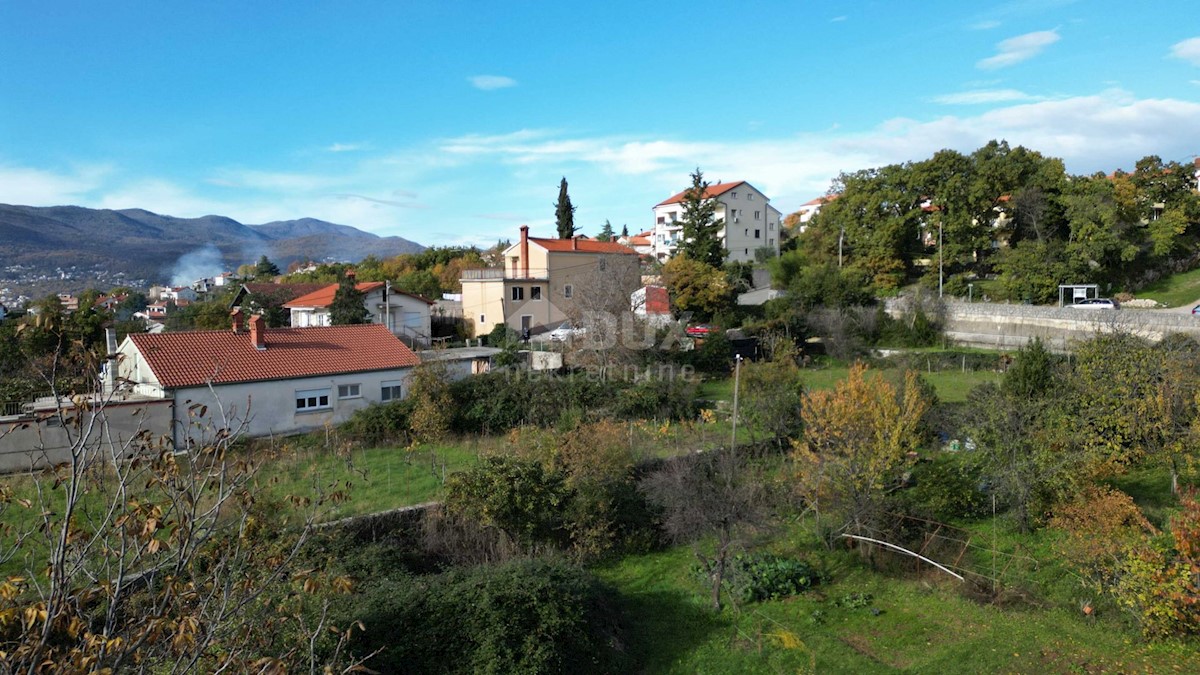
<point x="156" y="248"/>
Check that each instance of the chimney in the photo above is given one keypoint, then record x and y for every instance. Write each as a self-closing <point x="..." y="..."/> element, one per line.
<point x="258" y="332"/>
<point x="350" y="274"/>
<point x="524" y="251"/>
<point x="237" y="320"/>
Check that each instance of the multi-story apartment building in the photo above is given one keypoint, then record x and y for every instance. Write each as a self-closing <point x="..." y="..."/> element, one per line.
<point x="750" y="222"/>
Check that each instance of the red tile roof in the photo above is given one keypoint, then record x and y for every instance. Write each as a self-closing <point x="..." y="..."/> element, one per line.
<point x="289" y="291"/>
<point x="195" y="358"/>
<point x="639" y="241"/>
<point x="581" y="246"/>
<point x="712" y="191"/>
<point x="324" y="296"/>
<point x="821" y="201"/>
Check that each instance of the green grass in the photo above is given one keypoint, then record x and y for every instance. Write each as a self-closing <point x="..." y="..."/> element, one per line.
<point x="1174" y="291"/>
<point x="952" y="386"/>
<point x="924" y="625"/>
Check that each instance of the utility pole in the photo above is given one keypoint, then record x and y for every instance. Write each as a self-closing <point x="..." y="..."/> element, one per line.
<point x="939" y="258"/>
<point x="387" y="303"/>
<point x="737" y="375"/>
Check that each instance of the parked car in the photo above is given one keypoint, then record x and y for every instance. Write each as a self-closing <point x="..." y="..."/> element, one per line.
<point x="700" y="330"/>
<point x="1096" y="303"/>
<point x="565" y="331"/>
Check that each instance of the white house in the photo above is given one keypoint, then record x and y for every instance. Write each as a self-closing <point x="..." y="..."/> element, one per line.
<point x="406" y="315"/>
<point x="751" y="223"/>
<point x="642" y="242"/>
<point x="809" y="209"/>
<point x="264" y="381"/>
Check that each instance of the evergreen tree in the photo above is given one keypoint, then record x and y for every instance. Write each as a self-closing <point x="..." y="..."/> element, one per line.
<point x="349" y="304"/>
<point x="266" y="268"/>
<point x="564" y="213"/>
<point x="624" y="230"/>
<point x="606" y="232"/>
<point x="701" y="225"/>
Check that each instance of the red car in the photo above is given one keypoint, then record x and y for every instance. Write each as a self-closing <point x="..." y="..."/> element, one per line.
<point x="700" y="330"/>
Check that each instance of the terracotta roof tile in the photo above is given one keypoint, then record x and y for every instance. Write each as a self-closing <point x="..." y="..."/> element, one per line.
<point x="584" y="246"/>
<point x="712" y="191"/>
<point x="194" y="358"/>
<point x="324" y="296"/>
<point x="285" y="291"/>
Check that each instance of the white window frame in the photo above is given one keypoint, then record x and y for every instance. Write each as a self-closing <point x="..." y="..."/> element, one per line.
<point x="312" y="400"/>
<point x="388" y="390"/>
<point x="353" y="390"/>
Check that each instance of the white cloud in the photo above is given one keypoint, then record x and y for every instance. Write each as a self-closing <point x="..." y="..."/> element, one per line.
<point x="40" y="187"/>
<point x="984" y="96"/>
<point x="838" y="19"/>
<point x="1020" y="48"/>
<point x="1188" y="50"/>
<point x="985" y="25"/>
<point x="491" y="82"/>
<point x="346" y="147"/>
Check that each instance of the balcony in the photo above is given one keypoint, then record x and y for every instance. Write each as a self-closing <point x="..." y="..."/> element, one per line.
<point x="537" y="273"/>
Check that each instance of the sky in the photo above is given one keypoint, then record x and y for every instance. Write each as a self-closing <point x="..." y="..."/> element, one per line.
<point x="451" y="122"/>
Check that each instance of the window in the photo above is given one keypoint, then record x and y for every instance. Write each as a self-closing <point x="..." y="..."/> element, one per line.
<point x="756" y="214"/>
<point x="391" y="390"/>
<point x="733" y="213"/>
<point x="750" y="196"/>
<point x="746" y="232"/>
<point x="757" y="234"/>
<point x="771" y="227"/>
<point x="747" y="252"/>
<point x="349" y="391"/>
<point x="312" y="399"/>
<point x="483" y="318"/>
<point x="661" y="220"/>
<point x="770" y="242"/>
<point x="674" y="216"/>
<point x="518" y="292"/>
<point x="567" y="290"/>
<point x="733" y="195"/>
<point x="535" y="292"/>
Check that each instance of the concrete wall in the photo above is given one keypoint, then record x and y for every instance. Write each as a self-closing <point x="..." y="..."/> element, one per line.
<point x="31" y="442"/>
<point x="998" y="326"/>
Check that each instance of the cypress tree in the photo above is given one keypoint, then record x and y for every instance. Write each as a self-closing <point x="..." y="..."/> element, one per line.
<point x="564" y="212"/>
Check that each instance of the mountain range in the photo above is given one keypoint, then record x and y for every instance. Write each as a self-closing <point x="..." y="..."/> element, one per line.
<point x="162" y="249"/>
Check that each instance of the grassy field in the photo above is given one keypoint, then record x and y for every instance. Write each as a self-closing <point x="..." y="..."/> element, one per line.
<point x="921" y="625"/>
<point x="952" y="385"/>
<point x="1175" y="290"/>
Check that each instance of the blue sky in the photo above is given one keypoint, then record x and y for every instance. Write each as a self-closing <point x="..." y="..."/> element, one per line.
<point x="452" y="122"/>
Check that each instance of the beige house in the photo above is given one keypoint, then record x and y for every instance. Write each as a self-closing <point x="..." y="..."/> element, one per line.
<point x="547" y="281"/>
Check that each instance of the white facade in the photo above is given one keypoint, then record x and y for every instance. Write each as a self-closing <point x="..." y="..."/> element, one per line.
<point x="406" y="316"/>
<point x="751" y="223"/>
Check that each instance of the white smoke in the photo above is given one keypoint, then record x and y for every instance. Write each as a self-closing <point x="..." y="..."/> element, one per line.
<point x="198" y="264"/>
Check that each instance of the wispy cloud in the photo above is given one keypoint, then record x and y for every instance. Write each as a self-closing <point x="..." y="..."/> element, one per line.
<point x="1020" y="48"/>
<point x="980" y="96"/>
<point x="838" y="19"/>
<point x="988" y="24"/>
<point x="491" y="82"/>
<point x="346" y="147"/>
<point x="1188" y="50"/>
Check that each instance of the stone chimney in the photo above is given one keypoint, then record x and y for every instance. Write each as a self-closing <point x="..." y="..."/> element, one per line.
<point x="237" y="320"/>
<point x="258" y="332"/>
<point x="524" y="252"/>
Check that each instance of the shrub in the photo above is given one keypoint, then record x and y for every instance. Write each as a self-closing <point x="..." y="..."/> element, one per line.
<point x="947" y="488"/>
<point x="763" y="576"/>
<point x="379" y="423"/>
<point x="529" y="616"/>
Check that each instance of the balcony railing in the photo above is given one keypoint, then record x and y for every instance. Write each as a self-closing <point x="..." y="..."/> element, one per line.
<point x="499" y="273"/>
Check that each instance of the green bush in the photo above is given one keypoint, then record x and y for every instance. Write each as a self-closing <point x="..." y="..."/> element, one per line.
<point x="763" y="576"/>
<point x="379" y="423"/>
<point x="946" y="488"/>
<point x="528" y="616"/>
